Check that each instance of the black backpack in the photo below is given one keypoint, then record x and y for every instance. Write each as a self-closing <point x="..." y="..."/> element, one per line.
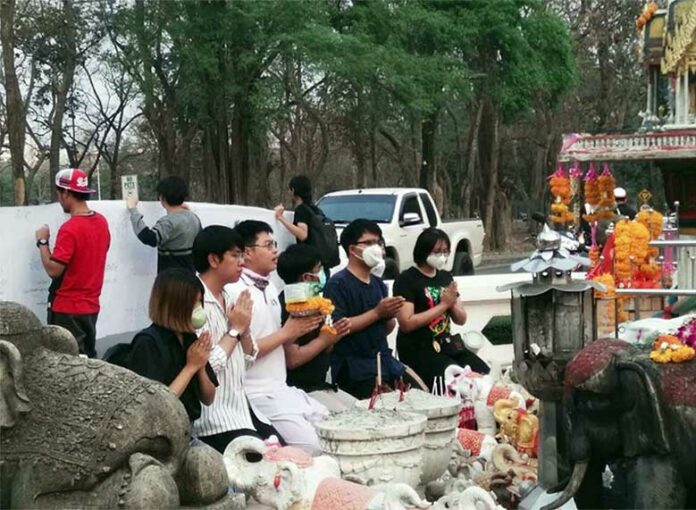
<point x="322" y="232"/>
<point x="119" y="354"/>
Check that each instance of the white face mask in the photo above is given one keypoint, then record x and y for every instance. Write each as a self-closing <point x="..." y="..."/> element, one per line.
<point x="437" y="261"/>
<point x="198" y="317"/>
<point x="372" y="255"/>
<point x="378" y="270"/>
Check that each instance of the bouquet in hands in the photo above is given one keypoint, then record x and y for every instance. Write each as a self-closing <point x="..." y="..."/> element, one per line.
<point x="303" y="300"/>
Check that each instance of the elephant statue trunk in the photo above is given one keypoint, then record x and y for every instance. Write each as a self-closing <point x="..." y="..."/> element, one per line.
<point x="571" y="489"/>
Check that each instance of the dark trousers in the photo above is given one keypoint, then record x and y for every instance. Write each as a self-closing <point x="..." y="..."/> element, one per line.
<point x="82" y="326"/>
<point x="263" y="431"/>
<point x="429" y="364"/>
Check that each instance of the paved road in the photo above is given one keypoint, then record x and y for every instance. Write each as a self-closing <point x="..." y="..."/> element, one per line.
<point x="493" y="269"/>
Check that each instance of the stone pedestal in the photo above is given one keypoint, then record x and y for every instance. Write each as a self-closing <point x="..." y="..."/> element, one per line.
<point x="440" y="431"/>
<point x="377" y="446"/>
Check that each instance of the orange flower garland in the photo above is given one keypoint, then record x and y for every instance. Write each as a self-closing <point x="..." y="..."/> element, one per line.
<point x="607" y="280"/>
<point x="606" y="184"/>
<point x="560" y="189"/>
<point x="668" y="348"/>
<point x="631" y="240"/>
<point x="653" y="221"/>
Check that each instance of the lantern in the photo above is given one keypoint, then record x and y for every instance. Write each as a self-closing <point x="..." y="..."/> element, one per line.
<point x="553" y="317"/>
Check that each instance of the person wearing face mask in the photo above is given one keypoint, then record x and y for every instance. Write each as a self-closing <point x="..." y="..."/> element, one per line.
<point x="424" y="341"/>
<point x="308" y="358"/>
<point x="168" y="351"/>
<point x="359" y="294"/>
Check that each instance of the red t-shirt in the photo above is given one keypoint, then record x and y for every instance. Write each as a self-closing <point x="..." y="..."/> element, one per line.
<point x="81" y="245"/>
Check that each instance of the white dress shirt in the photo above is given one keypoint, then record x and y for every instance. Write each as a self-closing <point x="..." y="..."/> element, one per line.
<point x="268" y="373"/>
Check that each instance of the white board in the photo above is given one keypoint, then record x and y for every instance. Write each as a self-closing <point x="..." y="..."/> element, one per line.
<point x="130" y="265"/>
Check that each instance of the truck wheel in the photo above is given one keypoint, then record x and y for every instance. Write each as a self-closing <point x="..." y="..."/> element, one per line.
<point x="463" y="265"/>
<point x="391" y="269"/>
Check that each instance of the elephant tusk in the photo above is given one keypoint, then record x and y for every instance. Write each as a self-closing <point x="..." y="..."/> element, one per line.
<point x="576" y="478"/>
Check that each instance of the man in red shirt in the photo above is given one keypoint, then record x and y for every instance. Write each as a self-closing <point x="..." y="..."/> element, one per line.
<point x="77" y="262"/>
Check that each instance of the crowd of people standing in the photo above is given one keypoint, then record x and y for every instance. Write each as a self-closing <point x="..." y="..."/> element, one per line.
<point x="220" y="337"/>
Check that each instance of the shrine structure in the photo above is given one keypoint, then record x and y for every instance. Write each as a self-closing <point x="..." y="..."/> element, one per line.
<point x="667" y="136"/>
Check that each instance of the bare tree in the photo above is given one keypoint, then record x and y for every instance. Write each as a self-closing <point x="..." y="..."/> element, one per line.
<point x="16" y="117"/>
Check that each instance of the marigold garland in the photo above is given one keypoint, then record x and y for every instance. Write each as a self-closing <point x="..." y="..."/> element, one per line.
<point x="631" y="241"/>
<point x="607" y="279"/>
<point x="606" y="184"/>
<point x="669" y="348"/>
<point x="591" y="192"/>
<point x="653" y="222"/>
<point x="559" y="185"/>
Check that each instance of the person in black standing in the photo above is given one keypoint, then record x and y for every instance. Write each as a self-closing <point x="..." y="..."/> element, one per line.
<point x="168" y="350"/>
<point x="431" y="304"/>
<point x="305" y="215"/>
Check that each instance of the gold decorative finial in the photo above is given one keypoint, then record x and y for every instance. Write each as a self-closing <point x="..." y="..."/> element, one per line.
<point x="645" y="197"/>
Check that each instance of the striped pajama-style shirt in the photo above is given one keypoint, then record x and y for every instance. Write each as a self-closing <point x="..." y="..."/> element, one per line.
<point x="230" y="408"/>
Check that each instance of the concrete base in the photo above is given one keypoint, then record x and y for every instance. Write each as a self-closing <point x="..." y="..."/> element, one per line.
<point x="536" y="499"/>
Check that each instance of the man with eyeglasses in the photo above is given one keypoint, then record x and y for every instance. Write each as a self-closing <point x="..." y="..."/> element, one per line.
<point x="290" y="410"/>
<point x="359" y="293"/>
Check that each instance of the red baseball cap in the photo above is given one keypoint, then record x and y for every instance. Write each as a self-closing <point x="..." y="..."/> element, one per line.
<point x="73" y="179"/>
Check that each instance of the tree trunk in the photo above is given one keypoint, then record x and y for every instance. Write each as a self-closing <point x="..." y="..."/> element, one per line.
<point x="428" y="167"/>
<point x="62" y="87"/>
<point x="16" y="117"/>
<point x="469" y="181"/>
<point x="492" y="189"/>
<point x="241" y="125"/>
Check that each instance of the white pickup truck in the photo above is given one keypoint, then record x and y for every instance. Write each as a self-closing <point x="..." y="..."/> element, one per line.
<point x="402" y="214"/>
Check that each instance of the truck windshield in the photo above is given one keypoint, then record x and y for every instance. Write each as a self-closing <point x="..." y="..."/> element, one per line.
<point x="346" y="208"/>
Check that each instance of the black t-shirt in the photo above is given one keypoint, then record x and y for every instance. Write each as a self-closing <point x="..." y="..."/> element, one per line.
<point x="312" y="375"/>
<point x="304" y="214"/>
<point x="162" y="360"/>
<point x="424" y="293"/>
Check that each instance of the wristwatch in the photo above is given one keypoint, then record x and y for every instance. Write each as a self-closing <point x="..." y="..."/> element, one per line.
<point x="41" y="242"/>
<point x="234" y="333"/>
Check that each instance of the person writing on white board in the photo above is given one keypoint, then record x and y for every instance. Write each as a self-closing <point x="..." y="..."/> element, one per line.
<point x="173" y="234"/>
<point x="77" y="261"/>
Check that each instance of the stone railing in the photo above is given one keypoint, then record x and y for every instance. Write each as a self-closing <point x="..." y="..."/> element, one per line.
<point x="621" y="147"/>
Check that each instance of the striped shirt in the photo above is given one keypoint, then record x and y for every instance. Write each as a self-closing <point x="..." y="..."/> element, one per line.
<point x="230" y="409"/>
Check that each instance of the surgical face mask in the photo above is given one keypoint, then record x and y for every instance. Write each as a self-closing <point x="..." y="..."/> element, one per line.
<point x="372" y="255"/>
<point x="198" y="317"/>
<point x="437" y="261"/>
<point x="378" y="269"/>
<point x="319" y="285"/>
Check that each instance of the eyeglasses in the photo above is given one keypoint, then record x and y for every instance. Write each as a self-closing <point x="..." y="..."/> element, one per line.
<point x="268" y="245"/>
<point x="372" y="242"/>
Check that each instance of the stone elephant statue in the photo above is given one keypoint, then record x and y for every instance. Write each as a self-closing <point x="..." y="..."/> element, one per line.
<point x="467" y="498"/>
<point x="82" y="433"/>
<point x="288" y="478"/>
<point x="622" y="410"/>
